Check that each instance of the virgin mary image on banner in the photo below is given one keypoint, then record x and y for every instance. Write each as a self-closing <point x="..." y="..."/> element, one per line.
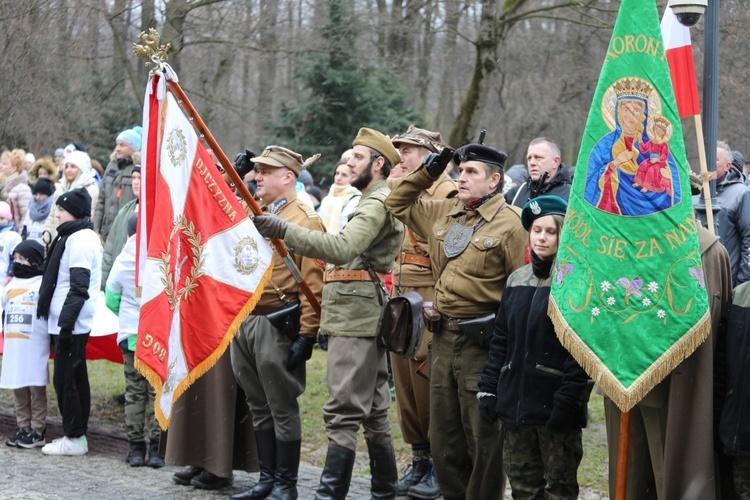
<point x="631" y="170"/>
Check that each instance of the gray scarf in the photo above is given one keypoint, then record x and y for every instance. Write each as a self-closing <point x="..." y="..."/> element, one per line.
<point x="40" y="211"/>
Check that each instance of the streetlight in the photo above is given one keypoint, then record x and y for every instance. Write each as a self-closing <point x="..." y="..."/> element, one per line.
<point x="689" y="12"/>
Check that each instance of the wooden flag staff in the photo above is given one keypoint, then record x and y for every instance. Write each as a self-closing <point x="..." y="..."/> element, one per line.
<point x="157" y="54"/>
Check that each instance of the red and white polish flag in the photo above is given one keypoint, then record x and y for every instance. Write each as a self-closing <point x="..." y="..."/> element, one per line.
<point x="679" y="51"/>
<point x="202" y="264"/>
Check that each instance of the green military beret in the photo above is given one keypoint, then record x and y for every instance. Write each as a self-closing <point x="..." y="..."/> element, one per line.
<point x="541" y="206"/>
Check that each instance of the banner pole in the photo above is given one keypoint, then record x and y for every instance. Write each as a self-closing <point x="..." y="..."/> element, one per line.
<point x="239" y="184"/>
<point x="704" y="174"/>
<point x="622" y="456"/>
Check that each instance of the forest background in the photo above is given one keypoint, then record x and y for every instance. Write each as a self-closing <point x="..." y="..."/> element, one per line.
<point x="307" y="74"/>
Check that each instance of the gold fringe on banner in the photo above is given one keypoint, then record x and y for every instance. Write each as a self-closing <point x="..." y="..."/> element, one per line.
<point x="627" y="397"/>
<point x="208" y="363"/>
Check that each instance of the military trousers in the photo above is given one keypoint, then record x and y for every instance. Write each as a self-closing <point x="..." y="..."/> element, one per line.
<point x="259" y="355"/>
<point x="542" y="464"/>
<point x="139" y="403"/>
<point x="31" y="408"/>
<point x="412" y="390"/>
<point x="357" y="374"/>
<point x="466" y="450"/>
<point x="412" y="400"/>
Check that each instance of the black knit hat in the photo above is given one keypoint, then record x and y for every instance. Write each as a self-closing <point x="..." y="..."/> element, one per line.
<point x="77" y="202"/>
<point x="43" y="186"/>
<point x="738" y="160"/>
<point x="32" y="250"/>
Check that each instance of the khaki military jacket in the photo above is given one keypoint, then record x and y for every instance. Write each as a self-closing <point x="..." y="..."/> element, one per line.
<point x="353" y="309"/>
<point x="472" y="283"/>
<point x="412" y="275"/>
<point x="311" y="271"/>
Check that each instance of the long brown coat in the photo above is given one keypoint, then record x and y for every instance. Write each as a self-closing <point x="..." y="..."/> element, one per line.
<point x="679" y="411"/>
<point x="211" y="425"/>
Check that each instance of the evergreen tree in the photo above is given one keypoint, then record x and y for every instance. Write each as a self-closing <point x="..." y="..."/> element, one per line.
<point x="340" y="95"/>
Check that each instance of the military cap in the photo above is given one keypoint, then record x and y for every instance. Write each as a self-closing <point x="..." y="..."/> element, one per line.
<point x="379" y="142"/>
<point x="480" y="152"/>
<point x="541" y="206"/>
<point x="420" y="137"/>
<point x="277" y="156"/>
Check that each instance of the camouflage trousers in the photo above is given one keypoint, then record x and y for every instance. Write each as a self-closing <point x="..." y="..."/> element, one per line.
<point x="139" y="403"/>
<point x="741" y="471"/>
<point x="542" y="464"/>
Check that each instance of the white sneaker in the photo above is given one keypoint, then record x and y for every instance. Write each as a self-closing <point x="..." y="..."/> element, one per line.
<point x="67" y="446"/>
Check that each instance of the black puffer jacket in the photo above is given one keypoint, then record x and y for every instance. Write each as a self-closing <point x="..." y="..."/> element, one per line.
<point x="528" y="368"/>
<point x="558" y="186"/>
<point x="735" y="358"/>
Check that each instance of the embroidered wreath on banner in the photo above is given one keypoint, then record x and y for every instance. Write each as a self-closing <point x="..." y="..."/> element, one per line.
<point x="171" y="280"/>
<point x="177" y="146"/>
<point x="246" y="257"/>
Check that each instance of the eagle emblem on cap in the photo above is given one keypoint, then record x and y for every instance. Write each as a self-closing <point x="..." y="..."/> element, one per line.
<point x="535" y="208"/>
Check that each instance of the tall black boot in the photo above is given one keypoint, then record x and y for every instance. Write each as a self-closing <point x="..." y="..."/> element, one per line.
<point x="287" y="466"/>
<point x="383" y="470"/>
<point x="337" y="473"/>
<point x="265" y="441"/>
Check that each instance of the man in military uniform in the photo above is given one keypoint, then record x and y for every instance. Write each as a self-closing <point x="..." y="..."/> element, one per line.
<point x="476" y="241"/>
<point x="413" y="272"/>
<point x="268" y="355"/>
<point x="353" y="300"/>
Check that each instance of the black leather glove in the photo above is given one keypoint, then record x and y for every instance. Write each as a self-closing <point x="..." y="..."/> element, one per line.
<point x="65" y="337"/>
<point x="560" y="420"/>
<point x="488" y="407"/>
<point x="300" y="351"/>
<point x="436" y="163"/>
<point x="242" y="163"/>
<point x="270" y="226"/>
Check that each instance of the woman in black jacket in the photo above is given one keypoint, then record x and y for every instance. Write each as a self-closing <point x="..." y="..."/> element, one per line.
<point x="530" y="381"/>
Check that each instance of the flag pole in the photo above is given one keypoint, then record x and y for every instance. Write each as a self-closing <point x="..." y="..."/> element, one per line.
<point x="239" y="184"/>
<point x="623" y="450"/>
<point x="705" y="175"/>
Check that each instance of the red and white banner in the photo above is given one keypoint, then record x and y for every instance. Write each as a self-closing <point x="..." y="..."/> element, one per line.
<point x="679" y="51"/>
<point x="205" y="264"/>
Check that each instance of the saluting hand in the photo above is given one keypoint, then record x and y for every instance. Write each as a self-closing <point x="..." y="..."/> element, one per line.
<point x="242" y="163"/>
<point x="436" y="163"/>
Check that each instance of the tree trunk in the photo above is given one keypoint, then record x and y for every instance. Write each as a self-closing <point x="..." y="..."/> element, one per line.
<point x="425" y="56"/>
<point x="175" y="12"/>
<point x="492" y="30"/>
<point x="446" y="103"/>
<point x="269" y="10"/>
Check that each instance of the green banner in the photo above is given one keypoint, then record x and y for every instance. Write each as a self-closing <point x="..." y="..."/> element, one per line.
<point x="628" y="296"/>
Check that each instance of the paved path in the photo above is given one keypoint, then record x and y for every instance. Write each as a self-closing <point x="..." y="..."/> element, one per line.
<point x="103" y="473"/>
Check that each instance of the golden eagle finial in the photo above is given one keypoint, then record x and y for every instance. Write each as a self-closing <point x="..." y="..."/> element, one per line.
<point x="150" y="49"/>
